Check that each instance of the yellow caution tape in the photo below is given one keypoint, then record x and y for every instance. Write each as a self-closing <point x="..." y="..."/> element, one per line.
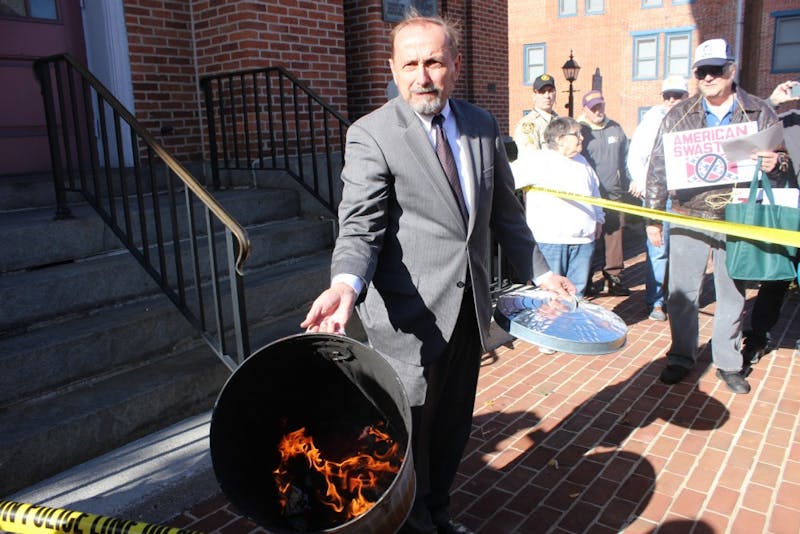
<point x="778" y="236"/>
<point x="33" y="519"/>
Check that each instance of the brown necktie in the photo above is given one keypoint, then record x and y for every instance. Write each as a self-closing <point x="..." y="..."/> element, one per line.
<point x="449" y="164"/>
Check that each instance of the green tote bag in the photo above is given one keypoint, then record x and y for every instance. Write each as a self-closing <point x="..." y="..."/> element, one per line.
<point x="757" y="260"/>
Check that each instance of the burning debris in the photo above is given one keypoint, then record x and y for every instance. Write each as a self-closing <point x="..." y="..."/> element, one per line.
<point x="319" y="490"/>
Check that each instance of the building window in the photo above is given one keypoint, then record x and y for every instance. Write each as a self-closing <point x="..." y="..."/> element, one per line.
<point x="786" y="44"/>
<point x="534" y="62"/>
<point x="595" y="7"/>
<point x="641" y="112"/>
<point x="681" y="2"/>
<point x="30" y="9"/>
<point x="652" y="3"/>
<point x="567" y="8"/>
<point x="677" y="54"/>
<point x="645" y="57"/>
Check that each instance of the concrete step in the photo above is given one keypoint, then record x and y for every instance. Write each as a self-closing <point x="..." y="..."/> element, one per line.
<point x="37" y="190"/>
<point x="27" y="191"/>
<point x="76" y="388"/>
<point x="82" y="286"/>
<point x="52" y="433"/>
<point x="95" y="356"/>
<point x="34" y="238"/>
<point x="64" y="426"/>
<point x="93" y="344"/>
<point x="107" y="337"/>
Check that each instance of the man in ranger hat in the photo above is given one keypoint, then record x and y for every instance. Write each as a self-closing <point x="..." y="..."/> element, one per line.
<point x="529" y="133"/>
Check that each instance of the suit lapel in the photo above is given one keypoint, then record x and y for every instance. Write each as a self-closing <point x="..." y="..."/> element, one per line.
<point x="472" y="144"/>
<point x="420" y="146"/>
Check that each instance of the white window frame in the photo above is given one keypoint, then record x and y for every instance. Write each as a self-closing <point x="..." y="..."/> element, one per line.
<point x="637" y="60"/>
<point x="785" y="43"/>
<point x="564" y="8"/>
<point x="531" y="71"/>
<point x="685" y="70"/>
<point x="596" y="10"/>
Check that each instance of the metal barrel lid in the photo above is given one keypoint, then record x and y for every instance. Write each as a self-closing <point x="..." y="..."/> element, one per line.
<point x="570" y="325"/>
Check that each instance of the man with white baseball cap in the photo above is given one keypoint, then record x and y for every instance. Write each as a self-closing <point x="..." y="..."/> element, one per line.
<point x="673" y="90"/>
<point x="719" y="102"/>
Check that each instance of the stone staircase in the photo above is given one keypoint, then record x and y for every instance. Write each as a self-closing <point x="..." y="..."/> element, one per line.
<point x="93" y="356"/>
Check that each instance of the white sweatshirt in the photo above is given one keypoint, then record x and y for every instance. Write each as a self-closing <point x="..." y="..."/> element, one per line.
<point x="552" y="219"/>
<point x="641" y="145"/>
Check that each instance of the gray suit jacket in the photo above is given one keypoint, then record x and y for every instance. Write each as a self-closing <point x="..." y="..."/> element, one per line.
<point x="401" y="231"/>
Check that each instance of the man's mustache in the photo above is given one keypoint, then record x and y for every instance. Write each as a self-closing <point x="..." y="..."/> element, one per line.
<point x="424" y="89"/>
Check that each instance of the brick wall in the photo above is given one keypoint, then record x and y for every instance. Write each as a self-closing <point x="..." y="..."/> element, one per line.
<point x="605" y="42"/>
<point x="484" y="75"/>
<point x="486" y="43"/>
<point x="367" y="56"/>
<point x="173" y="43"/>
<point x="340" y="49"/>
<point x="163" y="73"/>
<point x="757" y="49"/>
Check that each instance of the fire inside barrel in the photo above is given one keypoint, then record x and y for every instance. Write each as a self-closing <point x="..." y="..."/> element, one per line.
<point x="321" y="489"/>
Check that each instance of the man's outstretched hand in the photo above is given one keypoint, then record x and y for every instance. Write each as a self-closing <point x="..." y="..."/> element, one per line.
<point x="331" y="310"/>
<point x="558" y="284"/>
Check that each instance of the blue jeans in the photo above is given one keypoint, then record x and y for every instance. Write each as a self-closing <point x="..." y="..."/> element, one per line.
<point x="572" y="261"/>
<point x="656" y="268"/>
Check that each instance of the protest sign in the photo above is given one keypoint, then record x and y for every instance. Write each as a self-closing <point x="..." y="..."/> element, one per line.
<point x="695" y="158"/>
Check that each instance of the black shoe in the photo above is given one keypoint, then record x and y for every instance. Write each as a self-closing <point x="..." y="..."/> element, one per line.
<point x="672" y="374"/>
<point x="734" y="380"/>
<point x="591" y="290"/>
<point x="453" y="527"/>
<point x="615" y="286"/>
<point x="754" y="347"/>
<point x="752" y="355"/>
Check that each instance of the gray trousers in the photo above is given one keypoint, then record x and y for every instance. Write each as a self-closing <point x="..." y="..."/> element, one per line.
<point x="688" y="258"/>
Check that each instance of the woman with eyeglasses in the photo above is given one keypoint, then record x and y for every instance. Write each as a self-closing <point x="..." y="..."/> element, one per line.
<point x="565" y="230"/>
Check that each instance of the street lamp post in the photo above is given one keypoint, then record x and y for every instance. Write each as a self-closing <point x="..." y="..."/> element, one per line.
<point x="570" y="70"/>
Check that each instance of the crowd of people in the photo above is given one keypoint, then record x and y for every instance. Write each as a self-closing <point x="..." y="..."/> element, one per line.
<point x="636" y="169"/>
<point x="427" y="184"/>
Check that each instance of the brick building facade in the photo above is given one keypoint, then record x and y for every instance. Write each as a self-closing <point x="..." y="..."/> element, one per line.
<point x="615" y="36"/>
<point x="173" y="44"/>
<point x="339" y="49"/>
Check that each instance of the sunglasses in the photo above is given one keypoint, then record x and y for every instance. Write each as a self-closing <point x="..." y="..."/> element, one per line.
<point x="673" y="95"/>
<point x="714" y="70"/>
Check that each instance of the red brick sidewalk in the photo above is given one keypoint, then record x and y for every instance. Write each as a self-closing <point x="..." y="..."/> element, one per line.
<point x="573" y="444"/>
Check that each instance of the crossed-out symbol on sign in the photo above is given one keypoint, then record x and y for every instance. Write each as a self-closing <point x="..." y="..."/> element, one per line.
<point x="710" y="168"/>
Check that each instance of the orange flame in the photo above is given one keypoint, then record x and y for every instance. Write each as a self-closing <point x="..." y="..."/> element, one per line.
<point x="345" y="481"/>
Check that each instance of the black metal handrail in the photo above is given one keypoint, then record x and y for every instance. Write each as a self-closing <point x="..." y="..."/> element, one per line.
<point x="265" y="118"/>
<point x="99" y="149"/>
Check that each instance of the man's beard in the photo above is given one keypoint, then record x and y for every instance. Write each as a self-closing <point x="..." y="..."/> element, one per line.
<point x="429" y="106"/>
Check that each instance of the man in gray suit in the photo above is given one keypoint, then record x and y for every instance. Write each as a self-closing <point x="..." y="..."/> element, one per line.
<point x="414" y="249"/>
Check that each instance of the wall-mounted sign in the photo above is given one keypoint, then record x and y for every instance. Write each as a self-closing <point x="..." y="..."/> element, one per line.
<point x="395" y="10"/>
